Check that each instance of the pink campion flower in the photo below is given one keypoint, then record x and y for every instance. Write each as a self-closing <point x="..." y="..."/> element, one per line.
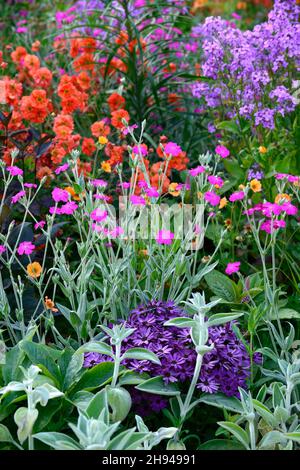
<point x="17" y="197"/>
<point x="232" y="268"/>
<point x="222" y="151"/>
<point x="142" y="184"/>
<point x="293" y="179"/>
<point x="212" y="198"/>
<point x="30" y="185"/>
<point x="116" y="232"/>
<point x="101" y="196"/>
<point x="216" y="180"/>
<point x="14" y="170"/>
<point x="165" y="237"/>
<point x="40" y="224"/>
<point x="125" y="185"/>
<point x="61" y="168"/>
<point x="269" y="209"/>
<point x="172" y="149"/>
<point x="99" y="214"/>
<point x="270" y="225"/>
<point x="281" y="176"/>
<point x="238" y="196"/>
<point x="55" y="210"/>
<point x="60" y="195"/>
<point x="2" y="249"/>
<point x="99" y="183"/>
<point x="196" y="171"/>
<point x="25" y="248"/>
<point x="152" y="192"/>
<point x="137" y="200"/>
<point x="140" y="150"/>
<point x="289" y="208"/>
<point x="69" y="208"/>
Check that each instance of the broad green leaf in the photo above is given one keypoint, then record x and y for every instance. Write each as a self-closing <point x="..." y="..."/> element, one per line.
<point x="284" y="314"/>
<point x="141" y="354"/>
<point x="181" y="322"/>
<point x="236" y="431"/>
<point x="221" y="444"/>
<point x="5" y="435"/>
<point x="57" y="440"/>
<point x="95" y="377"/>
<point x="221" y="318"/>
<point x="221" y="286"/>
<point x="25" y="419"/>
<point x="157" y="386"/>
<point x="265" y="413"/>
<point x="98" y="347"/>
<point x="222" y="401"/>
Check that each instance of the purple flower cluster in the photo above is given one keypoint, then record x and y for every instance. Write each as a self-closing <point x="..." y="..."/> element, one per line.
<point x="252" y="71"/>
<point x="224" y="369"/>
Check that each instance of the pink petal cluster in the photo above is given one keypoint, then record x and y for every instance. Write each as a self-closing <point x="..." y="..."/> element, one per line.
<point x="17" y="197"/>
<point x="237" y="196"/>
<point x="60" y="195"/>
<point x="2" y="249"/>
<point x="197" y="170"/>
<point x="25" y="248"/>
<point x="222" y="151"/>
<point x="165" y="237"/>
<point x="172" y="149"/>
<point x="137" y="200"/>
<point x="216" y="180"/>
<point x="232" y="268"/>
<point x="14" y="170"/>
<point x="99" y="214"/>
<point x="212" y="198"/>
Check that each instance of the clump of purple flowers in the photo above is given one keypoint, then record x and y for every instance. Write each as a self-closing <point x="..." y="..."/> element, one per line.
<point x="252" y="70"/>
<point x="224" y="369"/>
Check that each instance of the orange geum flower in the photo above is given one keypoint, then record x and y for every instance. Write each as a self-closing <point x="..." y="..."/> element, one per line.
<point x="72" y="192"/>
<point x="255" y="185"/>
<point x="223" y="202"/>
<point x="173" y="189"/>
<point x="31" y="62"/>
<point x="99" y="128"/>
<point x="102" y="140"/>
<point x="115" y="102"/>
<point x="39" y="99"/>
<point x="281" y="198"/>
<point x="117" y="118"/>
<point x="106" y="167"/>
<point x="49" y="305"/>
<point x="34" y="270"/>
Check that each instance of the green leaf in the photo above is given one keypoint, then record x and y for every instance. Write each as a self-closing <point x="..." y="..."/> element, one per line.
<point x="157" y="386"/>
<point x="41" y="355"/>
<point x="236" y="431"/>
<point x="222" y="401"/>
<point x="141" y="354"/>
<point x="25" y="419"/>
<point x="132" y="378"/>
<point x="181" y="322"/>
<point x="220" y="318"/>
<point x="57" y="440"/>
<point x="5" y="435"/>
<point x="95" y="377"/>
<point x="265" y="413"/>
<point x="221" y="286"/>
<point x="294" y="436"/>
<point x="221" y="444"/>
<point x="284" y="314"/>
<point x="97" y="404"/>
<point x="98" y="347"/>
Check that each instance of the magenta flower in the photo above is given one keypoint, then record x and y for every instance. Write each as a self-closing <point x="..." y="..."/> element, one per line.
<point x="238" y="196"/>
<point x="172" y="149"/>
<point x="98" y="215"/>
<point x="61" y="168"/>
<point x="152" y="192"/>
<point x="99" y="183"/>
<point x="196" y="171"/>
<point x="14" y="170"/>
<point x="222" y="151"/>
<point x="60" y="195"/>
<point x="140" y="150"/>
<point x="269" y="226"/>
<point x="17" y="197"/>
<point x="233" y="268"/>
<point x="212" y="198"/>
<point x="116" y="232"/>
<point x="68" y="208"/>
<point x="165" y="237"/>
<point x="125" y="185"/>
<point x="216" y="180"/>
<point x="137" y="200"/>
<point x="30" y="185"/>
<point x="40" y="224"/>
<point x="25" y="248"/>
<point x="2" y="249"/>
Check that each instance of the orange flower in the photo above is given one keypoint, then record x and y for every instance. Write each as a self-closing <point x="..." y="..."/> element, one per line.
<point x="39" y="99"/>
<point x="99" y="128"/>
<point x="117" y="118"/>
<point x="49" y="305"/>
<point x="31" y="62"/>
<point x="42" y="77"/>
<point x="173" y="189"/>
<point x="115" y="102"/>
<point x="18" y="54"/>
<point x="72" y="192"/>
<point x="88" y="146"/>
<point x="106" y="167"/>
<point x="283" y="197"/>
<point x="34" y="270"/>
<point x="36" y="46"/>
<point x="223" y="202"/>
<point x="255" y="185"/>
<point x="102" y="140"/>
